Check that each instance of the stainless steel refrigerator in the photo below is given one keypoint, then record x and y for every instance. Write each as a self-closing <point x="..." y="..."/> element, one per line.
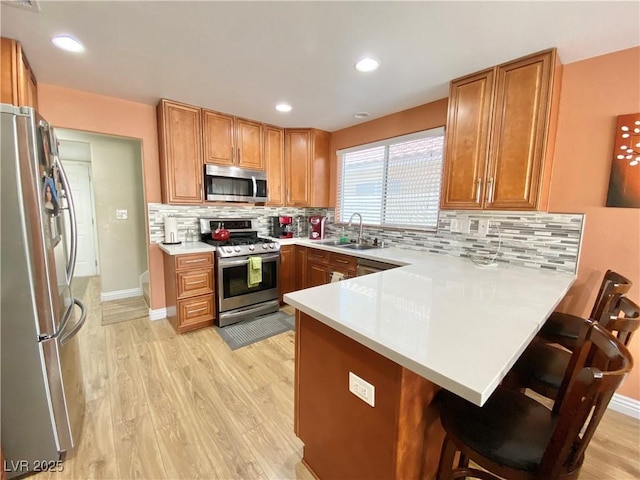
<point x="42" y="396"/>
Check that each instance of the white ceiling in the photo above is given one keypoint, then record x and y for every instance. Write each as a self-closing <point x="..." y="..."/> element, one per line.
<point x="244" y="57"/>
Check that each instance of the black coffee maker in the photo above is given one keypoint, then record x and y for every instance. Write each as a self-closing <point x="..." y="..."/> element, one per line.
<point x="282" y="227"/>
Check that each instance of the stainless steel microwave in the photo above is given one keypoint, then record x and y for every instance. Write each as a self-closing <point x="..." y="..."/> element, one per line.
<point x="233" y="184"/>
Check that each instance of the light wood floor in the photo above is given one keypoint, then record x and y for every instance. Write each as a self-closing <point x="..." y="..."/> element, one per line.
<point x="161" y="405"/>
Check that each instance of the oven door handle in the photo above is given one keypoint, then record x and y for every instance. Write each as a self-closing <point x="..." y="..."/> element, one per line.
<point x="244" y="261"/>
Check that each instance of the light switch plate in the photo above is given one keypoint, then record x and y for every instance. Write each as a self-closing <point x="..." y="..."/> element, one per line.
<point x="122" y="214"/>
<point x="362" y="389"/>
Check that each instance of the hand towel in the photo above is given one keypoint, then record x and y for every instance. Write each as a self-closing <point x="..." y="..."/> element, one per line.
<point x="254" y="272"/>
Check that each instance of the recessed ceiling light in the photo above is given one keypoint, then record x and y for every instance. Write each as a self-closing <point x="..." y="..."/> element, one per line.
<point x="283" y="107"/>
<point x="68" y="43"/>
<point x="361" y="115"/>
<point x="367" y="65"/>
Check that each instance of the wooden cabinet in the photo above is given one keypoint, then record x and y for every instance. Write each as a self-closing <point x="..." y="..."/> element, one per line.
<point x="274" y="163"/>
<point x="321" y="264"/>
<point x="500" y="135"/>
<point x="287" y="270"/>
<point x="301" y="267"/>
<point x="18" y="85"/>
<point x="180" y="145"/>
<point x="306" y="167"/>
<point x="232" y="141"/>
<point x="189" y="289"/>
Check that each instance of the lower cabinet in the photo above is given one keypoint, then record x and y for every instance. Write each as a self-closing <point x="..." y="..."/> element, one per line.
<point x="287" y="270"/>
<point x="189" y="290"/>
<point x="321" y="264"/>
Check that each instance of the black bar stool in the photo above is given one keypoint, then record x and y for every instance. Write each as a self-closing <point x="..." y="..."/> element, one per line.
<point x="563" y="328"/>
<point x="518" y="438"/>
<point x="542" y="366"/>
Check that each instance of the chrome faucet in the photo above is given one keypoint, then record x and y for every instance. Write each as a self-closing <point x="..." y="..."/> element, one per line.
<point x="351" y="221"/>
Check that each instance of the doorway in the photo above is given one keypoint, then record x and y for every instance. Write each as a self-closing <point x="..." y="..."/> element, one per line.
<point x="106" y="179"/>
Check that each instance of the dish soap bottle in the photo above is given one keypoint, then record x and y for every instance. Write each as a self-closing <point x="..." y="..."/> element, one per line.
<point x="343" y="237"/>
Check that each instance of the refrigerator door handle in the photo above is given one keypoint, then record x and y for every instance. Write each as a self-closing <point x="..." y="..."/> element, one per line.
<point x="63" y="326"/>
<point x="83" y="318"/>
<point x="71" y="266"/>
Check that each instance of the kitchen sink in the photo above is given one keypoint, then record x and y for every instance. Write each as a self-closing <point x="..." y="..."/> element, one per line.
<point x="334" y="243"/>
<point x="359" y="246"/>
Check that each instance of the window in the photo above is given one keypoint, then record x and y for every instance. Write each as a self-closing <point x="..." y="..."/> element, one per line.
<point x="393" y="183"/>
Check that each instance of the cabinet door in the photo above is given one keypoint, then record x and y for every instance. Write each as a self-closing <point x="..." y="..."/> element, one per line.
<point x="27" y="84"/>
<point x="274" y="162"/>
<point x="297" y="155"/>
<point x="301" y="267"/>
<point x="287" y="270"/>
<point x="467" y="134"/>
<point x="249" y="144"/>
<point x="219" y="146"/>
<point x="317" y="274"/>
<point x="181" y="152"/>
<point x="518" y="137"/>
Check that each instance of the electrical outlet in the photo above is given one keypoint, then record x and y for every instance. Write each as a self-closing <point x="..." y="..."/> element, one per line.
<point x="122" y="214"/>
<point x="362" y="389"/>
<point x="464" y="225"/>
<point x="455" y="227"/>
<point x="483" y="227"/>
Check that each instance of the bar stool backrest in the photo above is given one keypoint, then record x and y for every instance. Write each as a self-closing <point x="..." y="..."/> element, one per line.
<point x="588" y="392"/>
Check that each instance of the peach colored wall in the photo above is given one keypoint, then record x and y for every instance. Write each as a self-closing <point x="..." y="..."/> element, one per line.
<point x="74" y="109"/>
<point x="429" y="115"/>
<point x="594" y="92"/>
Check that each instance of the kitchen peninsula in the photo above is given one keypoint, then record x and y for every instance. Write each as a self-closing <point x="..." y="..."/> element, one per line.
<point x="438" y="322"/>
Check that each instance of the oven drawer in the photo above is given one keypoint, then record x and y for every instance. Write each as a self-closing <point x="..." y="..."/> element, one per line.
<point x="191" y="283"/>
<point x="194" y="312"/>
<point x="194" y="260"/>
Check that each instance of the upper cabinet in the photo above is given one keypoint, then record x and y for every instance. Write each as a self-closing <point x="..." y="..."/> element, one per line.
<point x="18" y="85"/>
<point x="180" y="146"/>
<point x="274" y="162"/>
<point x="232" y="141"/>
<point x="500" y="131"/>
<point x="306" y="167"/>
<point x="296" y="160"/>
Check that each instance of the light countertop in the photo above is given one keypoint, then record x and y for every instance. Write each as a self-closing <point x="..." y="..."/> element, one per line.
<point x="187" y="247"/>
<point x="459" y="325"/>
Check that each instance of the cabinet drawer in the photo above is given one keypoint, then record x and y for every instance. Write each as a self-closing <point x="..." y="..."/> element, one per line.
<point x="195" y="310"/>
<point x="192" y="283"/>
<point x="320" y="256"/>
<point x="343" y="262"/>
<point x="194" y="260"/>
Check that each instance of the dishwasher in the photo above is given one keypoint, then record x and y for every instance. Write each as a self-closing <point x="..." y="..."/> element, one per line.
<point x="365" y="267"/>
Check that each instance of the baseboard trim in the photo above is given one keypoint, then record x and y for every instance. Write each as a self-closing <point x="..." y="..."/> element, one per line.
<point x="157" y="314"/>
<point x="626" y="405"/>
<point x="119" y="294"/>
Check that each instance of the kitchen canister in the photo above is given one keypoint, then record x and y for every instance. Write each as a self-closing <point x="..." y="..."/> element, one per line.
<point x="171" y="231"/>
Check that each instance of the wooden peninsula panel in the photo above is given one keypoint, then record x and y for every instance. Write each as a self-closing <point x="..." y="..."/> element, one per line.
<point x="344" y="437"/>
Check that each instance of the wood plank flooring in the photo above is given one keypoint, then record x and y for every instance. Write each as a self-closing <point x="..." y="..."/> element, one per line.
<point x="167" y="406"/>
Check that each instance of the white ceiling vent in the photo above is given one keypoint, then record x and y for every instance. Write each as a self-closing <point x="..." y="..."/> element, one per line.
<point x="32" y="5"/>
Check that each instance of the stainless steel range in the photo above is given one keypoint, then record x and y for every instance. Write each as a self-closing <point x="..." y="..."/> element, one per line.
<point x="236" y="300"/>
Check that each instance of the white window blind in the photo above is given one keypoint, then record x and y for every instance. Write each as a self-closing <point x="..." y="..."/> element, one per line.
<point x="393" y="183"/>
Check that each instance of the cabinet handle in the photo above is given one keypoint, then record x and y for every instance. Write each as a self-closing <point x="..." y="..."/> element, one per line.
<point x="195" y="283"/>
<point x="196" y="261"/>
<point x="197" y="310"/>
<point x="478" y="183"/>
<point x="339" y="260"/>
<point x="239" y="156"/>
<point x="490" y="190"/>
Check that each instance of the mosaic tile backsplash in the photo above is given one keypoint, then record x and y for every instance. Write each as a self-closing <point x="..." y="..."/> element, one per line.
<point x="532" y="239"/>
